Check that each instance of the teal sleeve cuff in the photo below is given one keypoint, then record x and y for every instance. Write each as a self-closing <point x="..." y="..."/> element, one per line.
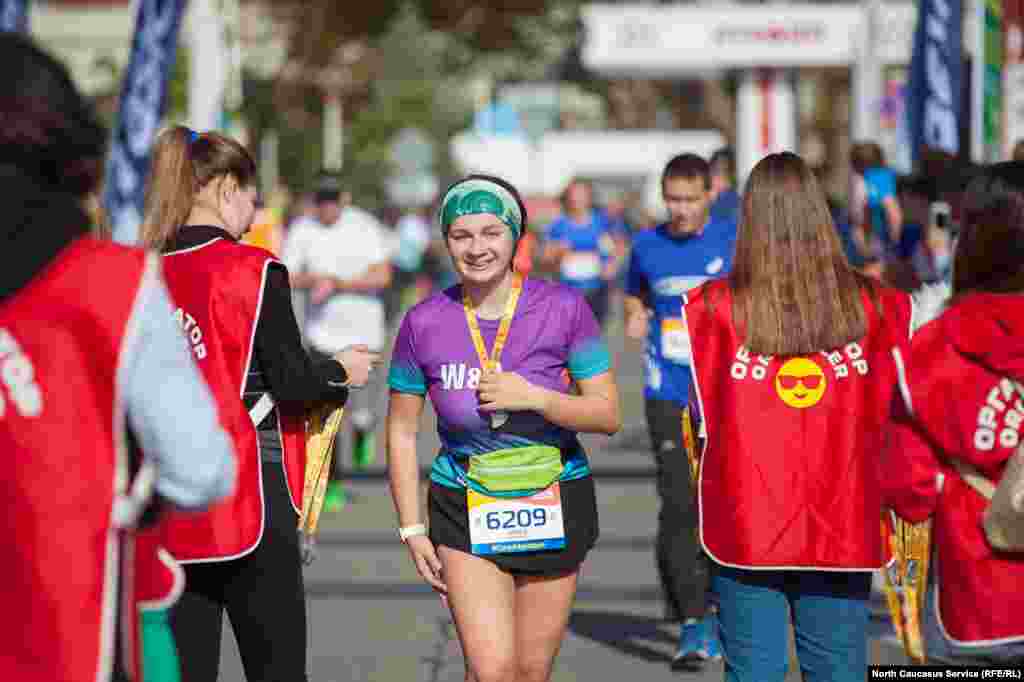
<point x="589" y="360"/>
<point x="406" y="380"/>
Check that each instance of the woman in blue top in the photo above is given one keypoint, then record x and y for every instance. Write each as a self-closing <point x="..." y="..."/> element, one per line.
<point x="585" y="248"/>
<point x="511" y="505"/>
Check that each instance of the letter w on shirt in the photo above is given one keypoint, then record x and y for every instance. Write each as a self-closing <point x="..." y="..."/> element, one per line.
<point x="456" y="376"/>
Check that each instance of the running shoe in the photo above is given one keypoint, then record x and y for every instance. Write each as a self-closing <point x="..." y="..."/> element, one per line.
<point x="698" y="643"/>
<point x="335" y="498"/>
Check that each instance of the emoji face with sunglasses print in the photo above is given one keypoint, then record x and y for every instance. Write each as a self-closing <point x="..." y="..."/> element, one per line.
<point x="800" y="383"/>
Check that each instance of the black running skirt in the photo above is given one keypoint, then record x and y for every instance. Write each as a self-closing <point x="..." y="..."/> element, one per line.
<point x="449" y="526"/>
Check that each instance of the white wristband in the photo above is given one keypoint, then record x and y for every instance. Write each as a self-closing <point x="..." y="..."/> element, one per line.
<point x="411" y="531"/>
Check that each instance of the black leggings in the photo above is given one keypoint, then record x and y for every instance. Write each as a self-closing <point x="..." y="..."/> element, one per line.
<point x="682" y="566"/>
<point x="263" y="595"/>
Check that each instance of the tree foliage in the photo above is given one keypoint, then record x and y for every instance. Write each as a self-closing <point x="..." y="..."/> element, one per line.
<point x="397" y="64"/>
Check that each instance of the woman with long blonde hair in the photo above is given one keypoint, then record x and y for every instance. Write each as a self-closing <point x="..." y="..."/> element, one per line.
<point x="233" y="303"/>
<point x="794" y="377"/>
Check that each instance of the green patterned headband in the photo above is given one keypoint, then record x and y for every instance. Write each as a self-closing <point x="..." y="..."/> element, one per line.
<point x="476" y="196"/>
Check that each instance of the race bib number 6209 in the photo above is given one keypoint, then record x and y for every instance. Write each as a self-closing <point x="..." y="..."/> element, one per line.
<point x="510" y="525"/>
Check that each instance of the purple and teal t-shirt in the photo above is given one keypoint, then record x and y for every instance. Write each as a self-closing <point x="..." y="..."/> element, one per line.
<point x="553" y="336"/>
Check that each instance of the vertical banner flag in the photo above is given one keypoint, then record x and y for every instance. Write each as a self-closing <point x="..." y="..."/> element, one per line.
<point x="154" y="48"/>
<point x="1013" y="74"/>
<point x="986" y="82"/>
<point x="992" y="103"/>
<point x="13" y="16"/>
<point x="933" y="91"/>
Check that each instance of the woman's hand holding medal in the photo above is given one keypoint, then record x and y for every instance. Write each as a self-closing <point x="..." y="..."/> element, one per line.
<point x="507" y="391"/>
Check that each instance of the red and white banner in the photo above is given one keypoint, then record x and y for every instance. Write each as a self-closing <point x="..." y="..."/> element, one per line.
<point x="766" y="116"/>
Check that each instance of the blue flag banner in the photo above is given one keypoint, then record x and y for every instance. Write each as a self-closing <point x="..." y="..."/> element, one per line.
<point x="934" y="106"/>
<point x="143" y="95"/>
<point x="13" y="16"/>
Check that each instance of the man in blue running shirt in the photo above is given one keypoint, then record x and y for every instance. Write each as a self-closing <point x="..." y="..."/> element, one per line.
<point x="665" y="263"/>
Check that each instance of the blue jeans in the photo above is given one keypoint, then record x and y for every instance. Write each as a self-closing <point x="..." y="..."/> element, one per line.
<point x="830" y="618"/>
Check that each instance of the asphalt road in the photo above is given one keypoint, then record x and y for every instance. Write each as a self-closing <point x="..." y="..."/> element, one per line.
<point x="372" y="619"/>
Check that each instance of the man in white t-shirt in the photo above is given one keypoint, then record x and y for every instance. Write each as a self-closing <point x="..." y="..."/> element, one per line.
<point x="343" y="258"/>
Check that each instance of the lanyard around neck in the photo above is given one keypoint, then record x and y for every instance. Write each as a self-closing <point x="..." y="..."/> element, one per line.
<point x="490" y="361"/>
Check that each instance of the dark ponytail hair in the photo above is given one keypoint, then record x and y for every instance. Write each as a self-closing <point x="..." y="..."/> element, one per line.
<point x="49" y="135"/>
<point x="183" y="163"/>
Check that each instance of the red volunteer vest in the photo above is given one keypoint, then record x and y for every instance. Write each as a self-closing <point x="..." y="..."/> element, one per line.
<point x="159" y="579"/>
<point x="964" y="410"/>
<point x="62" y="339"/>
<point x="217" y="288"/>
<point x="789" y="475"/>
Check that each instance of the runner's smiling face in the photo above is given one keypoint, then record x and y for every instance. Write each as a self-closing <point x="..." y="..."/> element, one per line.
<point x="481" y="247"/>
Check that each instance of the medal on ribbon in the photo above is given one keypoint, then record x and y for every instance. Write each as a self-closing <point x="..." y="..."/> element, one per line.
<point x="490" y="361"/>
<point x="498" y="419"/>
<point x="321" y="429"/>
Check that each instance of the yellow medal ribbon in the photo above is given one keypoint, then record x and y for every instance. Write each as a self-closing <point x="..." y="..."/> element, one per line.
<point x="907" y="580"/>
<point x="491" y="361"/>
<point x="321" y="429"/>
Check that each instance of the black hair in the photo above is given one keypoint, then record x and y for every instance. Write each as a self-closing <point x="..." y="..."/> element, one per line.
<point x="500" y="182"/>
<point x="990" y="250"/>
<point x="48" y="132"/>
<point x="328" y="188"/>
<point x="687" y="166"/>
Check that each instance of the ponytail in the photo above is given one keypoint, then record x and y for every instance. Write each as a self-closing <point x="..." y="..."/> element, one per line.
<point x="183" y="163"/>
<point x="172" y="187"/>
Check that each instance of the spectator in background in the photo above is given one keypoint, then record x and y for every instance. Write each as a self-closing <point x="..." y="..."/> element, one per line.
<point x="849" y="242"/>
<point x="725" y="200"/>
<point x="583" y="247"/>
<point x="414" y="237"/>
<point x="615" y="211"/>
<point x="343" y="259"/>
<point x="957" y="426"/>
<point x="925" y="243"/>
<point x="874" y="207"/>
<point x="413" y="230"/>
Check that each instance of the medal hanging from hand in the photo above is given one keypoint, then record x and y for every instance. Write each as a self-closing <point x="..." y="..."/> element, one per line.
<point x="490" y="362"/>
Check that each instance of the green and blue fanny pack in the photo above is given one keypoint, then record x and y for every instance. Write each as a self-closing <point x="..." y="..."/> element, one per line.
<point x="529" y="468"/>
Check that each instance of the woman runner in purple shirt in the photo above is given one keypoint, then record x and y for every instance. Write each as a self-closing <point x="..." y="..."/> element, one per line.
<point x="511" y="506"/>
